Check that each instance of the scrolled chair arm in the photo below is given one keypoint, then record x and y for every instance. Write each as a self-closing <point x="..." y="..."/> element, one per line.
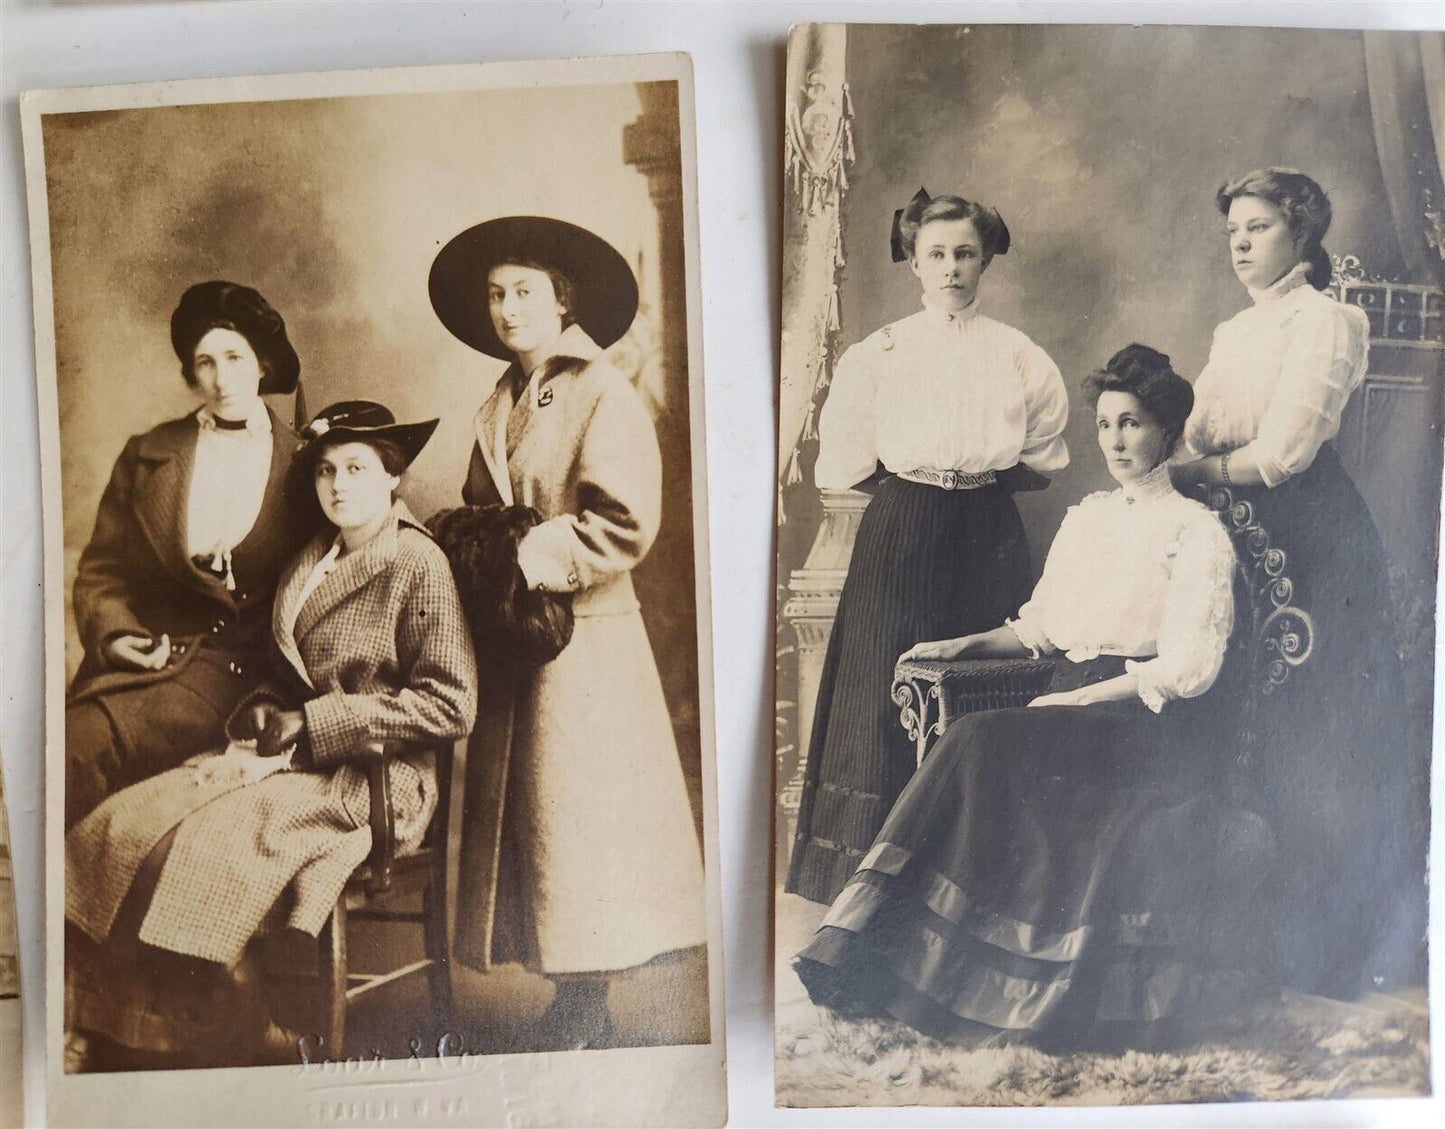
<point x="932" y="693"/>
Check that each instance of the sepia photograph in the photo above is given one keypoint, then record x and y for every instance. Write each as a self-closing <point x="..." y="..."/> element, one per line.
<point x="1108" y="526"/>
<point x="380" y="732"/>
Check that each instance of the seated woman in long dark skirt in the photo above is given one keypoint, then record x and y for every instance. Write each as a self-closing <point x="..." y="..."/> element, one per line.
<point x="1067" y="868"/>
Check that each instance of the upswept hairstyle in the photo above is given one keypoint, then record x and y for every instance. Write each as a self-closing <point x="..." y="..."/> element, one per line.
<point x="1305" y="206"/>
<point x="1147" y="375"/>
<point x="922" y="210"/>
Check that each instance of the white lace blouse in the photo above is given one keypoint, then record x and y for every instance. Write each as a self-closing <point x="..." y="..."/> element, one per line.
<point x="942" y="391"/>
<point x="1142" y="572"/>
<point x="1278" y="377"/>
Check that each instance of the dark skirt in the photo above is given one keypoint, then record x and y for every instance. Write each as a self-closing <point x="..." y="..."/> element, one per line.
<point x="1055" y="871"/>
<point x="927" y="564"/>
<point x="1345" y="790"/>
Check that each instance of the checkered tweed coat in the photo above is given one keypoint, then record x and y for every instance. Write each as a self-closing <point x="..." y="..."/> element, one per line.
<point x="379" y="650"/>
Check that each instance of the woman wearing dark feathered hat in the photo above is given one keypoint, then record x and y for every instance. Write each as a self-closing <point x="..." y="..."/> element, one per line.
<point x="579" y="853"/>
<point x="173" y="594"/>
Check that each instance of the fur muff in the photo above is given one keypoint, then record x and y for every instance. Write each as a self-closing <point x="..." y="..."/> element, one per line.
<point x="511" y="625"/>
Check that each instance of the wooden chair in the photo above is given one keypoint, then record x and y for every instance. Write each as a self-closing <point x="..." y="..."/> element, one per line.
<point x="381" y="878"/>
<point x="1272" y="637"/>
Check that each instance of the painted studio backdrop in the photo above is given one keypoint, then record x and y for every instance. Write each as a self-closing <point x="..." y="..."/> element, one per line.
<point x="1102" y="148"/>
<point x="334" y="209"/>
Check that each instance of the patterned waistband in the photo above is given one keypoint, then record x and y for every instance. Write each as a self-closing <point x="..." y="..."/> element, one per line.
<point x="950" y="479"/>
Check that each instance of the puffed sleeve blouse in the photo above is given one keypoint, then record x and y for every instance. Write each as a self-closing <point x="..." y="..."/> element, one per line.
<point x="941" y="391"/>
<point x="1142" y="572"/>
<point x="1278" y="378"/>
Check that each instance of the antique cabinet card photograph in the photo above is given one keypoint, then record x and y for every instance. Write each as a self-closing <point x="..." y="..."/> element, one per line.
<point x="380" y="777"/>
<point x="1110" y="471"/>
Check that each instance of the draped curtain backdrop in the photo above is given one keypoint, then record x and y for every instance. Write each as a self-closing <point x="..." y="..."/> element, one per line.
<point x="1406" y="76"/>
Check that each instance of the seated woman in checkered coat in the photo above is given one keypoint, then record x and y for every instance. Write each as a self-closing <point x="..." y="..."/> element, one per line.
<point x="169" y="881"/>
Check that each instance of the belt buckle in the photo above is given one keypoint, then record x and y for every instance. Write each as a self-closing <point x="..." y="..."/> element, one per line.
<point x="950" y="479"/>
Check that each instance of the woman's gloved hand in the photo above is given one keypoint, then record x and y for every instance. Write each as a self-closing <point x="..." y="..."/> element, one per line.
<point x="251" y="723"/>
<point x="284" y="729"/>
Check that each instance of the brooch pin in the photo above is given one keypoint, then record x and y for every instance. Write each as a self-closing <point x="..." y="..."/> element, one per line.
<point x="544" y="397"/>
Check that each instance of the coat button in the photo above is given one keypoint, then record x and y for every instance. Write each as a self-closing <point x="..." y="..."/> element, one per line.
<point x="572" y="579"/>
<point x="179" y="649"/>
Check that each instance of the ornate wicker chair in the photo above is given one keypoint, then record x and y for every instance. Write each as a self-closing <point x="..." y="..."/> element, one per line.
<point x="1272" y="636"/>
<point x="382" y="878"/>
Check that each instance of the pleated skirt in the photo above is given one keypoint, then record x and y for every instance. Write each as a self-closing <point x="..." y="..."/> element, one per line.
<point x="927" y="564"/>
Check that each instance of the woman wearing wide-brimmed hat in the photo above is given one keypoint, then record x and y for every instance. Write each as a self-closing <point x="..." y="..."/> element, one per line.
<point x="173" y="593"/>
<point x="170" y="880"/>
<point x="580" y="855"/>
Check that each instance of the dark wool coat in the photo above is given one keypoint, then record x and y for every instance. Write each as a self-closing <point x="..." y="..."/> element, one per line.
<point x="379" y="651"/>
<point x="136" y="578"/>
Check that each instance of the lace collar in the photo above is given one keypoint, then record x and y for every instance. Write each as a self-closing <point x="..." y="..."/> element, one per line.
<point x="1292" y="280"/>
<point x="1155" y="484"/>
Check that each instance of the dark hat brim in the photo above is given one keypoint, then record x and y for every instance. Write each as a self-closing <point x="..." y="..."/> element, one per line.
<point x="604" y="291"/>
<point x="409" y="438"/>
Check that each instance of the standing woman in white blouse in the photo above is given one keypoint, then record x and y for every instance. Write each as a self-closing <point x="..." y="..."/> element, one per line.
<point x="1055" y="871"/>
<point x="1334" y="777"/>
<point x="172" y="599"/>
<point x="954" y="407"/>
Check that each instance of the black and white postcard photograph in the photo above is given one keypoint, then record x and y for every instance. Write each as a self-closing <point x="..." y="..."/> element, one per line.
<point x="1108" y="520"/>
<point x="379" y="742"/>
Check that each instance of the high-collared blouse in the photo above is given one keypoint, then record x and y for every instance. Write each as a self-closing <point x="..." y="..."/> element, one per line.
<point x="1278" y="377"/>
<point x="1142" y="572"/>
<point x="942" y="391"/>
<point x="228" y="483"/>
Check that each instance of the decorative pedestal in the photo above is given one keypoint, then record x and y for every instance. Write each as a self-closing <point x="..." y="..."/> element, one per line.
<point x="812" y="603"/>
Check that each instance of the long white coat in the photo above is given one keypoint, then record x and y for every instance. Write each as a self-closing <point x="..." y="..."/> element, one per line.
<point x="580" y="852"/>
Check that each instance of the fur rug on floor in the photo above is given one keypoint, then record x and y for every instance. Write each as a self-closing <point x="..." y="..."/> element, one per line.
<point x="1295" y="1047"/>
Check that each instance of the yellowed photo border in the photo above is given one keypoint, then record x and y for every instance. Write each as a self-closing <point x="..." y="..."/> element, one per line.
<point x="663" y="1085"/>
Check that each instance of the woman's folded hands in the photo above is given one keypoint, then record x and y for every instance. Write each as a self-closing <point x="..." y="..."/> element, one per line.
<point x="273" y="730"/>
